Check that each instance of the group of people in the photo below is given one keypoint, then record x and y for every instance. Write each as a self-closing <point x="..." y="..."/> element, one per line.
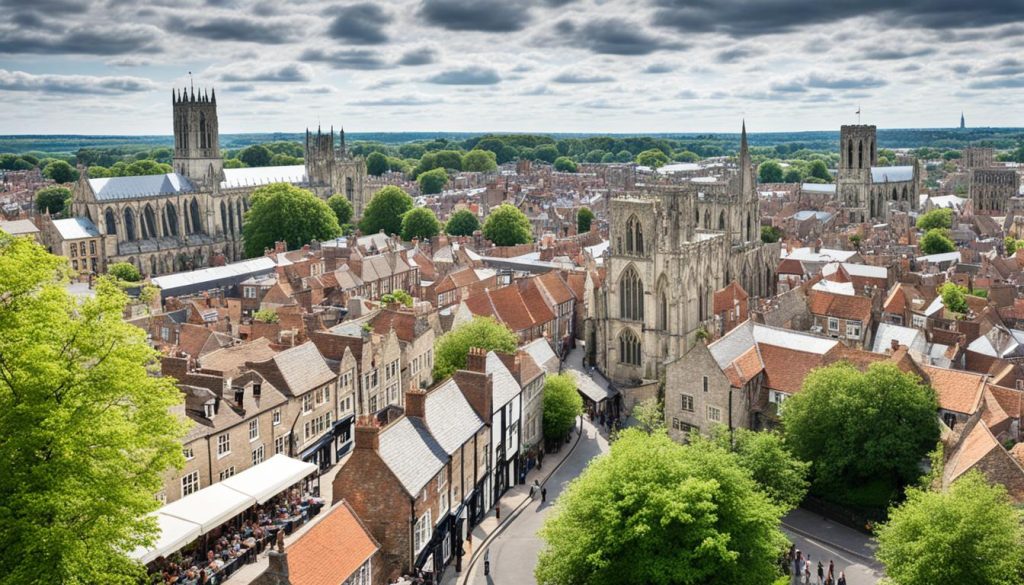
<point x="536" y="488"/>
<point x="804" y="569"/>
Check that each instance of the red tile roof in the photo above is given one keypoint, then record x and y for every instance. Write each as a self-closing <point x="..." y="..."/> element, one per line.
<point x="727" y="298"/>
<point x="957" y="391"/>
<point x="332" y="550"/>
<point x="840" y="306"/>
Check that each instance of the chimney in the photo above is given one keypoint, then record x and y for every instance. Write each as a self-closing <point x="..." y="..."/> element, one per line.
<point x="894" y="344"/>
<point x="277" y="569"/>
<point x="476" y="387"/>
<point x="175" y="367"/>
<point x="476" y="361"/>
<point x="280" y="247"/>
<point x="367" y="434"/>
<point x="415" y="403"/>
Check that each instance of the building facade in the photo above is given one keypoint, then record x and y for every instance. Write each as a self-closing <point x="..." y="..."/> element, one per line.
<point x="990" y="190"/>
<point x="870" y="192"/>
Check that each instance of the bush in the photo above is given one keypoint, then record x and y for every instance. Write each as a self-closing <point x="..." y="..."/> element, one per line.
<point x="584" y="217"/>
<point x="54" y="199"/>
<point x="462" y="223"/>
<point x="341" y="207"/>
<point x="935" y="219"/>
<point x="124" y="271"/>
<point x="507" y="226"/>
<point x="564" y="164"/>
<point x="935" y="241"/>
<point x="266" y="316"/>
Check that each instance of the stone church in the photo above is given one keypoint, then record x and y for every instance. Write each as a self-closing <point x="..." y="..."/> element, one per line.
<point x="670" y="249"/>
<point x="183" y="219"/>
<point x="869" y="192"/>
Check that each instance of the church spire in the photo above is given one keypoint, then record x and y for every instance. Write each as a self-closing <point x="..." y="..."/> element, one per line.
<point x="743" y="140"/>
<point x="962" y="124"/>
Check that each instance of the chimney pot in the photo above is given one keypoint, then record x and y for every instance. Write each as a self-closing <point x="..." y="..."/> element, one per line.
<point x="415" y="403"/>
<point x="367" y="434"/>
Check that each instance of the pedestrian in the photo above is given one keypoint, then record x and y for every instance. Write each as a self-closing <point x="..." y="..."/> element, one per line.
<point x="798" y="565"/>
<point x="842" y="579"/>
<point x="821" y="573"/>
<point x="543" y="494"/>
<point x="830" y="576"/>
<point x="532" y="490"/>
<point x="487" y="562"/>
<point x="807" y="571"/>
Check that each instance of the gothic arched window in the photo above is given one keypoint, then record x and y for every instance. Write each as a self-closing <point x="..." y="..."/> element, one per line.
<point x="631" y="295"/>
<point x="149" y="223"/>
<point x="707" y="219"/>
<point x="860" y="155"/>
<point x="108" y="218"/>
<point x="750" y="230"/>
<point x="634" y="236"/>
<point x="895" y="194"/>
<point x="171" y="219"/>
<point x="238" y="212"/>
<point x="129" y="225"/>
<point x="721" y="221"/>
<point x="350" y="190"/>
<point x="203" y="143"/>
<point x="197" y="222"/>
<point x="223" y="216"/>
<point x="662" y="308"/>
<point x="629" y="348"/>
<point x="849" y="155"/>
<point x="906" y="195"/>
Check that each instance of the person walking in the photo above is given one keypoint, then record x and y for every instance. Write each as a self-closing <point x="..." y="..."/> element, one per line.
<point x="842" y="578"/>
<point x="821" y="573"/>
<point x="543" y="494"/>
<point x="798" y="566"/>
<point x="830" y="575"/>
<point x="807" y="571"/>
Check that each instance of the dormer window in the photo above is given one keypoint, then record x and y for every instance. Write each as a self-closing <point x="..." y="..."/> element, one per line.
<point x="256" y="390"/>
<point x="208" y="409"/>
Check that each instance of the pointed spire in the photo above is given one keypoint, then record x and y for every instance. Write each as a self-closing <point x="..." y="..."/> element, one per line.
<point x="213" y="96"/>
<point x="743" y="136"/>
<point x="174" y="96"/>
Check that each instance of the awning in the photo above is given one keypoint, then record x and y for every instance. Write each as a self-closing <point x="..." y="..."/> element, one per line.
<point x="210" y="507"/>
<point x="172" y="534"/>
<point x="269" y="478"/>
<point x="591" y="389"/>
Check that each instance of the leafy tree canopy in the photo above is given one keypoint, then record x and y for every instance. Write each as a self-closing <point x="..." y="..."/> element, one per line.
<point x="55" y="199"/>
<point x="653" y="512"/>
<point x="376" y="164"/>
<point x="341" y="207"/>
<point x="793" y="175"/>
<point x="479" y="161"/>
<point x="954" y="297"/>
<point x="507" y="226"/>
<point x="935" y="241"/>
<point x="266" y="316"/>
<point x="385" y="211"/>
<point x="451" y="349"/>
<point x="653" y="158"/>
<point x="564" y="164"/>
<point x="432" y="181"/>
<point x="770" y="234"/>
<point x="562" y="404"/>
<point x="781" y="476"/>
<point x="87" y="430"/>
<point x="256" y="155"/>
<point x="935" y="219"/>
<point x="284" y="212"/>
<point x="770" y="172"/>
<point x="397" y="296"/>
<point x="584" y="217"/>
<point x="971" y="533"/>
<point x="420" y="222"/>
<point x="462" y="223"/>
<point x="124" y="271"/>
<point x="819" y="170"/>
<point x="60" y="171"/>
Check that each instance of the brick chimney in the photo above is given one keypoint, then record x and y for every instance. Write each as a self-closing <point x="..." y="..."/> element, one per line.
<point x="175" y="367"/>
<point x="894" y="344"/>
<point x="476" y="387"/>
<point x="476" y="361"/>
<point x="367" y="434"/>
<point x="415" y="403"/>
<point x="280" y="246"/>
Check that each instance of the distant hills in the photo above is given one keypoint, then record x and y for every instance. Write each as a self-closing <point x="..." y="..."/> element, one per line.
<point x="1000" y="138"/>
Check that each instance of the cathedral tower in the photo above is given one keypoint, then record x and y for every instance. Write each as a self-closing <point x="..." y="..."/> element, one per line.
<point x="196" y="137"/>
<point x="320" y="161"/>
<point x="858" y="152"/>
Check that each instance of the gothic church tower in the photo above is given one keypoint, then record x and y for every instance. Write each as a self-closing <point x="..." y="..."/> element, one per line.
<point x="858" y="152"/>
<point x="196" y="137"/>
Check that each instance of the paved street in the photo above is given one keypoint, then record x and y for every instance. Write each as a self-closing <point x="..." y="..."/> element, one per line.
<point x="852" y="551"/>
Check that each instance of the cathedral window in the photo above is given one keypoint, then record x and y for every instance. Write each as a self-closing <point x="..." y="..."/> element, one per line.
<point x="631" y="295"/>
<point x="197" y="223"/>
<point x="849" y="155"/>
<point x="629" y="348"/>
<point x="634" y="237"/>
<point x="721" y="221"/>
<point x="129" y="225"/>
<point x="663" y="311"/>
<point x="860" y="155"/>
<point x="108" y="218"/>
<point x="171" y="219"/>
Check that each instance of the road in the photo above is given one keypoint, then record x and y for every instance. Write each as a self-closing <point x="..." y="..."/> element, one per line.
<point x="852" y="551"/>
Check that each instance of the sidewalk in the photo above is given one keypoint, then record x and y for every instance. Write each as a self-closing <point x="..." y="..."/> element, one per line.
<point x="512" y="503"/>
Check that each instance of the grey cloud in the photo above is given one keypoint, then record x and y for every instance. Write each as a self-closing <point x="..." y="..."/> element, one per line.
<point x="659" y="68"/>
<point x="238" y="88"/>
<point x="354" y="59"/>
<point x="1001" y="83"/>
<point x="687" y="94"/>
<point x="291" y="72"/>
<point x="612" y="37"/>
<point x="407" y="100"/>
<point x="1004" y="67"/>
<point x="909" y="67"/>
<point x="476" y="15"/>
<point x="818" y="81"/>
<point x="269" y="97"/>
<point x="360" y="24"/>
<point x="72" y="84"/>
<point x="577" y="77"/>
<point x="733" y="55"/>
<point x="84" y="40"/>
<point x="961" y="68"/>
<point x="415" y="57"/>
<point x="472" y="75"/>
<point x="539" y="90"/>
<point x="878" y="53"/>
<point x="235" y="28"/>
<point x="598" y="104"/>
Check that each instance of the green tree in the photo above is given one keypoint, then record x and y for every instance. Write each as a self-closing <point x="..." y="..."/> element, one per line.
<point x="935" y="241"/>
<point x="834" y="423"/>
<point x="935" y="219"/>
<point x="546" y="152"/>
<point x="88" y="431"/>
<point x="447" y="159"/>
<point x="793" y="175"/>
<point x="564" y="164"/>
<point x="770" y="234"/>
<point x="376" y="164"/>
<point x="432" y="181"/>
<point x="256" y="155"/>
<point x="507" y="226"/>
<point x="451" y="349"/>
<point x="397" y="296"/>
<point x="479" y="161"/>
<point x="1010" y="244"/>
<point x="341" y="207"/>
<point x="562" y="404"/>
<point x="770" y="172"/>
<point x="266" y="316"/>
<point x="55" y="199"/>
<point x="124" y="271"/>
<point x="653" y="512"/>
<point x="649" y="415"/>
<point x="146" y="167"/>
<point x="60" y="171"/>
<point x="954" y="297"/>
<point x="584" y="217"/>
<point x="385" y="211"/>
<point x="462" y="223"/>
<point x="280" y="159"/>
<point x="234" y="163"/>
<point x="284" y="212"/>
<point x="420" y="222"/>
<point x="97" y="172"/>
<point x="653" y="158"/>
<point x="971" y="533"/>
<point x="781" y="476"/>
<point x="819" y="170"/>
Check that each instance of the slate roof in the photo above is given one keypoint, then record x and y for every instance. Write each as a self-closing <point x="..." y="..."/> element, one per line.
<point x="892" y="174"/>
<point x="450" y="417"/>
<point x="332" y="550"/>
<point x="818" y="187"/>
<point x="75" y="228"/>
<point x="296" y="370"/>
<point x="255" y="176"/>
<point x="504" y="383"/>
<point x="912" y="338"/>
<point x="115" y="188"/>
<point x="542" y="354"/>
<point x="411" y="453"/>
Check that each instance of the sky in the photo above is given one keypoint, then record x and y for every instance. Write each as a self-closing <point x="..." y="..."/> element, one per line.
<point x="618" y="66"/>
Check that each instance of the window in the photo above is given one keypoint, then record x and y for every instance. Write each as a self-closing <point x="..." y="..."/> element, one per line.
<point x="254" y="429"/>
<point x="833" y="324"/>
<point x="917" y="321"/>
<point x="223" y="444"/>
<point x="631" y="295"/>
<point x="777" y="397"/>
<point x="853" y="329"/>
<point x="442" y="490"/>
<point x="714" y="414"/>
<point x="346" y="404"/>
<point x="249" y="292"/>
<point x="319" y="395"/>
<point x="257" y="455"/>
<point x="92" y="252"/>
<point x="950" y="419"/>
<point x="190" y="483"/>
<point x="281" y="445"/>
<point x="634" y="237"/>
<point x="706" y="382"/>
<point x="687" y="403"/>
<point x="277" y="416"/>
<point x="629" y="348"/>
<point x="684" y="427"/>
<point x="316" y="426"/>
<point x="165" y="333"/>
<point x="373" y="404"/>
<point x="307" y="403"/>
<point x="74" y="251"/>
<point x="74" y="264"/>
<point x="227" y="473"/>
<point x="81" y="248"/>
<point x="188" y="453"/>
<point x="161" y="496"/>
<point x="421" y="533"/>
<point x="257" y="389"/>
<point x="209" y="410"/>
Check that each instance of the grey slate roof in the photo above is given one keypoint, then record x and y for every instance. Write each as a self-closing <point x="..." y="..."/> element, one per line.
<point x="505" y="386"/>
<point x="892" y="174"/>
<point x="303" y="368"/>
<point x="541" y="352"/>
<point x="255" y="176"/>
<point x="411" y="453"/>
<point x="450" y="417"/>
<point x="75" y="228"/>
<point x="114" y="188"/>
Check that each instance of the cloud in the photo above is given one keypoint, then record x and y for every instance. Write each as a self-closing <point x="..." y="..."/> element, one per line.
<point x="362" y="59"/>
<point x="687" y="94"/>
<point x="360" y="24"/>
<point x="819" y="81"/>
<point x="291" y="72"/>
<point x="539" y="90"/>
<point x="476" y="15"/>
<point x="881" y="53"/>
<point x="129" y="61"/>
<point x="83" y="40"/>
<point x="611" y="36"/>
<point x="72" y="84"/>
<point x="403" y="100"/>
<point x="659" y="68"/>
<point x="1000" y="83"/>
<point x="421" y="56"/>
<point x="961" y="68"/>
<point x="1004" y="67"/>
<point x="738" y="18"/>
<point x="596" y="104"/>
<point x="735" y="54"/>
<point x="265" y="31"/>
<point x="472" y="75"/>
<point x="581" y="77"/>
